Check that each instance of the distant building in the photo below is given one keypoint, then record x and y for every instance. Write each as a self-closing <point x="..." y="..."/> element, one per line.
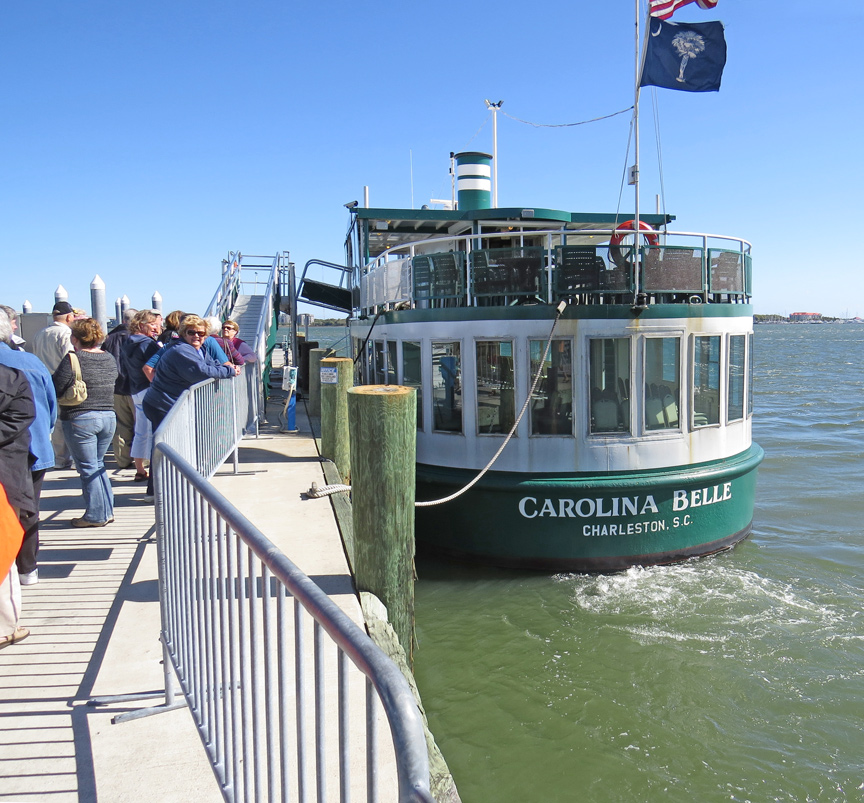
<point x="804" y="317"/>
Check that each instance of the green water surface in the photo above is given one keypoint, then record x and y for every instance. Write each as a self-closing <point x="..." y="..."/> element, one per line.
<point x="733" y="678"/>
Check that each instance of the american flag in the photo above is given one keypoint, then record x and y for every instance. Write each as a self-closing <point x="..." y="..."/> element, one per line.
<point x="666" y="8"/>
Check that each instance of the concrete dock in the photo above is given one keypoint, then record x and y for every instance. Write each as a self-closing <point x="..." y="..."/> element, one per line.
<point x="94" y="620"/>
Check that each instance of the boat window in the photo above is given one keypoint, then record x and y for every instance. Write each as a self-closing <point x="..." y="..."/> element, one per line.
<point x="495" y="396"/>
<point x="411" y="375"/>
<point x="750" y="374"/>
<point x="609" y="367"/>
<point x="735" y="389"/>
<point x="706" y="380"/>
<point x="447" y="387"/>
<point x="380" y="365"/>
<point x="662" y="391"/>
<point x="552" y="402"/>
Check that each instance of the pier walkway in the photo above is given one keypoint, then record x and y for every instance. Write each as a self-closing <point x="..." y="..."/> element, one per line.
<point x="94" y="620"/>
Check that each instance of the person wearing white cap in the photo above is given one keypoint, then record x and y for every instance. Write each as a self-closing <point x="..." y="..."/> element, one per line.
<point x="51" y="345"/>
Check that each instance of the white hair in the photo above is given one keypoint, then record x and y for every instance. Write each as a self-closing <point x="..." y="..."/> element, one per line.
<point x="214" y="325"/>
<point x="5" y="327"/>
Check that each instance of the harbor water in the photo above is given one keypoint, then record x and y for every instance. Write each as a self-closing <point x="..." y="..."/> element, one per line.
<point x="335" y="337"/>
<point x="738" y="677"/>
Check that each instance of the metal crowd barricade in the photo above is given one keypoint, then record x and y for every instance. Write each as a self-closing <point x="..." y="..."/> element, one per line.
<point x="236" y="613"/>
<point x="210" y="418"/>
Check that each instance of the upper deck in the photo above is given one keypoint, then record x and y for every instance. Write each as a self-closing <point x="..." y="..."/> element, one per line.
<point x="428" y="259"/>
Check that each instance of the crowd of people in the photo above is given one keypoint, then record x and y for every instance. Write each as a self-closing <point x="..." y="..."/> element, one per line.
<point x="73" y="393"/>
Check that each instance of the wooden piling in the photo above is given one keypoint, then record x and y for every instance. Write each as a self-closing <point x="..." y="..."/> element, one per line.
<point x="383" y="443"/>
<point x="303" y="349"/>
<point x="337" y="376"/>
<point x="313" y="400"/>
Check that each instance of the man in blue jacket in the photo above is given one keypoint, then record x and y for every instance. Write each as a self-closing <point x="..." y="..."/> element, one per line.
<point x="41" y="448"/>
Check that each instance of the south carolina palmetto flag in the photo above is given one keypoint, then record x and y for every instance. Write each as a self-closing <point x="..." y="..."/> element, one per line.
<point x="666" y="8"/>
<point x="687" y="56"/>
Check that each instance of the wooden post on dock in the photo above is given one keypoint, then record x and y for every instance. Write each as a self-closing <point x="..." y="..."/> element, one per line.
<point x="313" y="399"/>
<point x="383" y="428"/>
<point x="304" y="348"/>
<point x="337" y="376"/>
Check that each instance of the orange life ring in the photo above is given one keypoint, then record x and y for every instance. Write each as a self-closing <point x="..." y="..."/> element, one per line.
<point x="628" y="227"/>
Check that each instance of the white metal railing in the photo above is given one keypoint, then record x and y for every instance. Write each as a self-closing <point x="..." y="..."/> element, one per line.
<point x="236" y="281"/>
<point x="223" y="299"/>
<point x="236" y="614"/>
<point x="210" y="418"/>
<point x="272" y="714"/>
<point x="387" y="279"/>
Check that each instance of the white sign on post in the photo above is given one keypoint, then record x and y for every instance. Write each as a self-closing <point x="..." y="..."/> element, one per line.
<point x="329" y="375"/>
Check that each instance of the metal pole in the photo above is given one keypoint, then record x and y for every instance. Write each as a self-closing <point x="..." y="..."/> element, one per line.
<point x="636" y="275"/>
<point x="494" y="157"/>
<point x="494" y="107"/>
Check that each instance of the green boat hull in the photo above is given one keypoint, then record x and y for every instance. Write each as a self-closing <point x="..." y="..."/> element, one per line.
<point x="589" y="523"/>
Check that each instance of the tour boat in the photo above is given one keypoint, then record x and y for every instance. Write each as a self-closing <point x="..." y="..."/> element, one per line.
<point x="614" y="367"/>
<point x="584" y="381"/>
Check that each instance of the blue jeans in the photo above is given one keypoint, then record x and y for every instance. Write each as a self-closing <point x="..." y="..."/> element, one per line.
<point x="88" y="437"/>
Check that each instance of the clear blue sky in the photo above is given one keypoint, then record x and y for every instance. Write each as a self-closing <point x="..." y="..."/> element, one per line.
<point x="143" y="141"/>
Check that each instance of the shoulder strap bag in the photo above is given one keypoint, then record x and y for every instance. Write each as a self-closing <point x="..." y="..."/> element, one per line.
<point x="77" y="391"/>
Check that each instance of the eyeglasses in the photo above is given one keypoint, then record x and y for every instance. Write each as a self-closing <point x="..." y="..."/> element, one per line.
<point x="195" y="334"/>
<point x="229" y="328"/>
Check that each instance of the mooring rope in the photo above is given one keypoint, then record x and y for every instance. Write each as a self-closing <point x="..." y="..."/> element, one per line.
<point x="430" y="503"/>
<point x="315" y="492"/>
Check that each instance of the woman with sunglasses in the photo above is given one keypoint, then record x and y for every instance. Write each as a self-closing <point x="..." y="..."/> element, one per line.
<point x="180" y="367"/>
<point x="238" y="351"/>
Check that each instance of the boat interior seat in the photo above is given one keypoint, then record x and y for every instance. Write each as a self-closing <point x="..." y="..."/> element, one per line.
<point x="654" y="418"/>
<point x="670" y="410"/>
<point x="606" y="415"/>
<point x="624" y="387"/>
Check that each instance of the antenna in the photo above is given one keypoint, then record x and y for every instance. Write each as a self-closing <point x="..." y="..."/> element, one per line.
<point x="494" y="107"/>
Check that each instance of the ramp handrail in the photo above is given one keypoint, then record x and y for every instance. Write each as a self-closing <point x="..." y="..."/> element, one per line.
<point x="223" y="299"/>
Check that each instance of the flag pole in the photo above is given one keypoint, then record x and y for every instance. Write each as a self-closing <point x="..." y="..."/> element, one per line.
<point x="636" y="59"/>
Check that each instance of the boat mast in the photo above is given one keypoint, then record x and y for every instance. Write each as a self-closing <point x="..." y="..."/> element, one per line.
<point x="635" y="169"/>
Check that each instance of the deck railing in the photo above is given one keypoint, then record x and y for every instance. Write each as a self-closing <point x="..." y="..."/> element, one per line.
<point x="577" y="266"/>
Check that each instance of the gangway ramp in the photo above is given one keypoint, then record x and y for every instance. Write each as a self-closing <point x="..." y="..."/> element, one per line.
<point x="246" y="313"/>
